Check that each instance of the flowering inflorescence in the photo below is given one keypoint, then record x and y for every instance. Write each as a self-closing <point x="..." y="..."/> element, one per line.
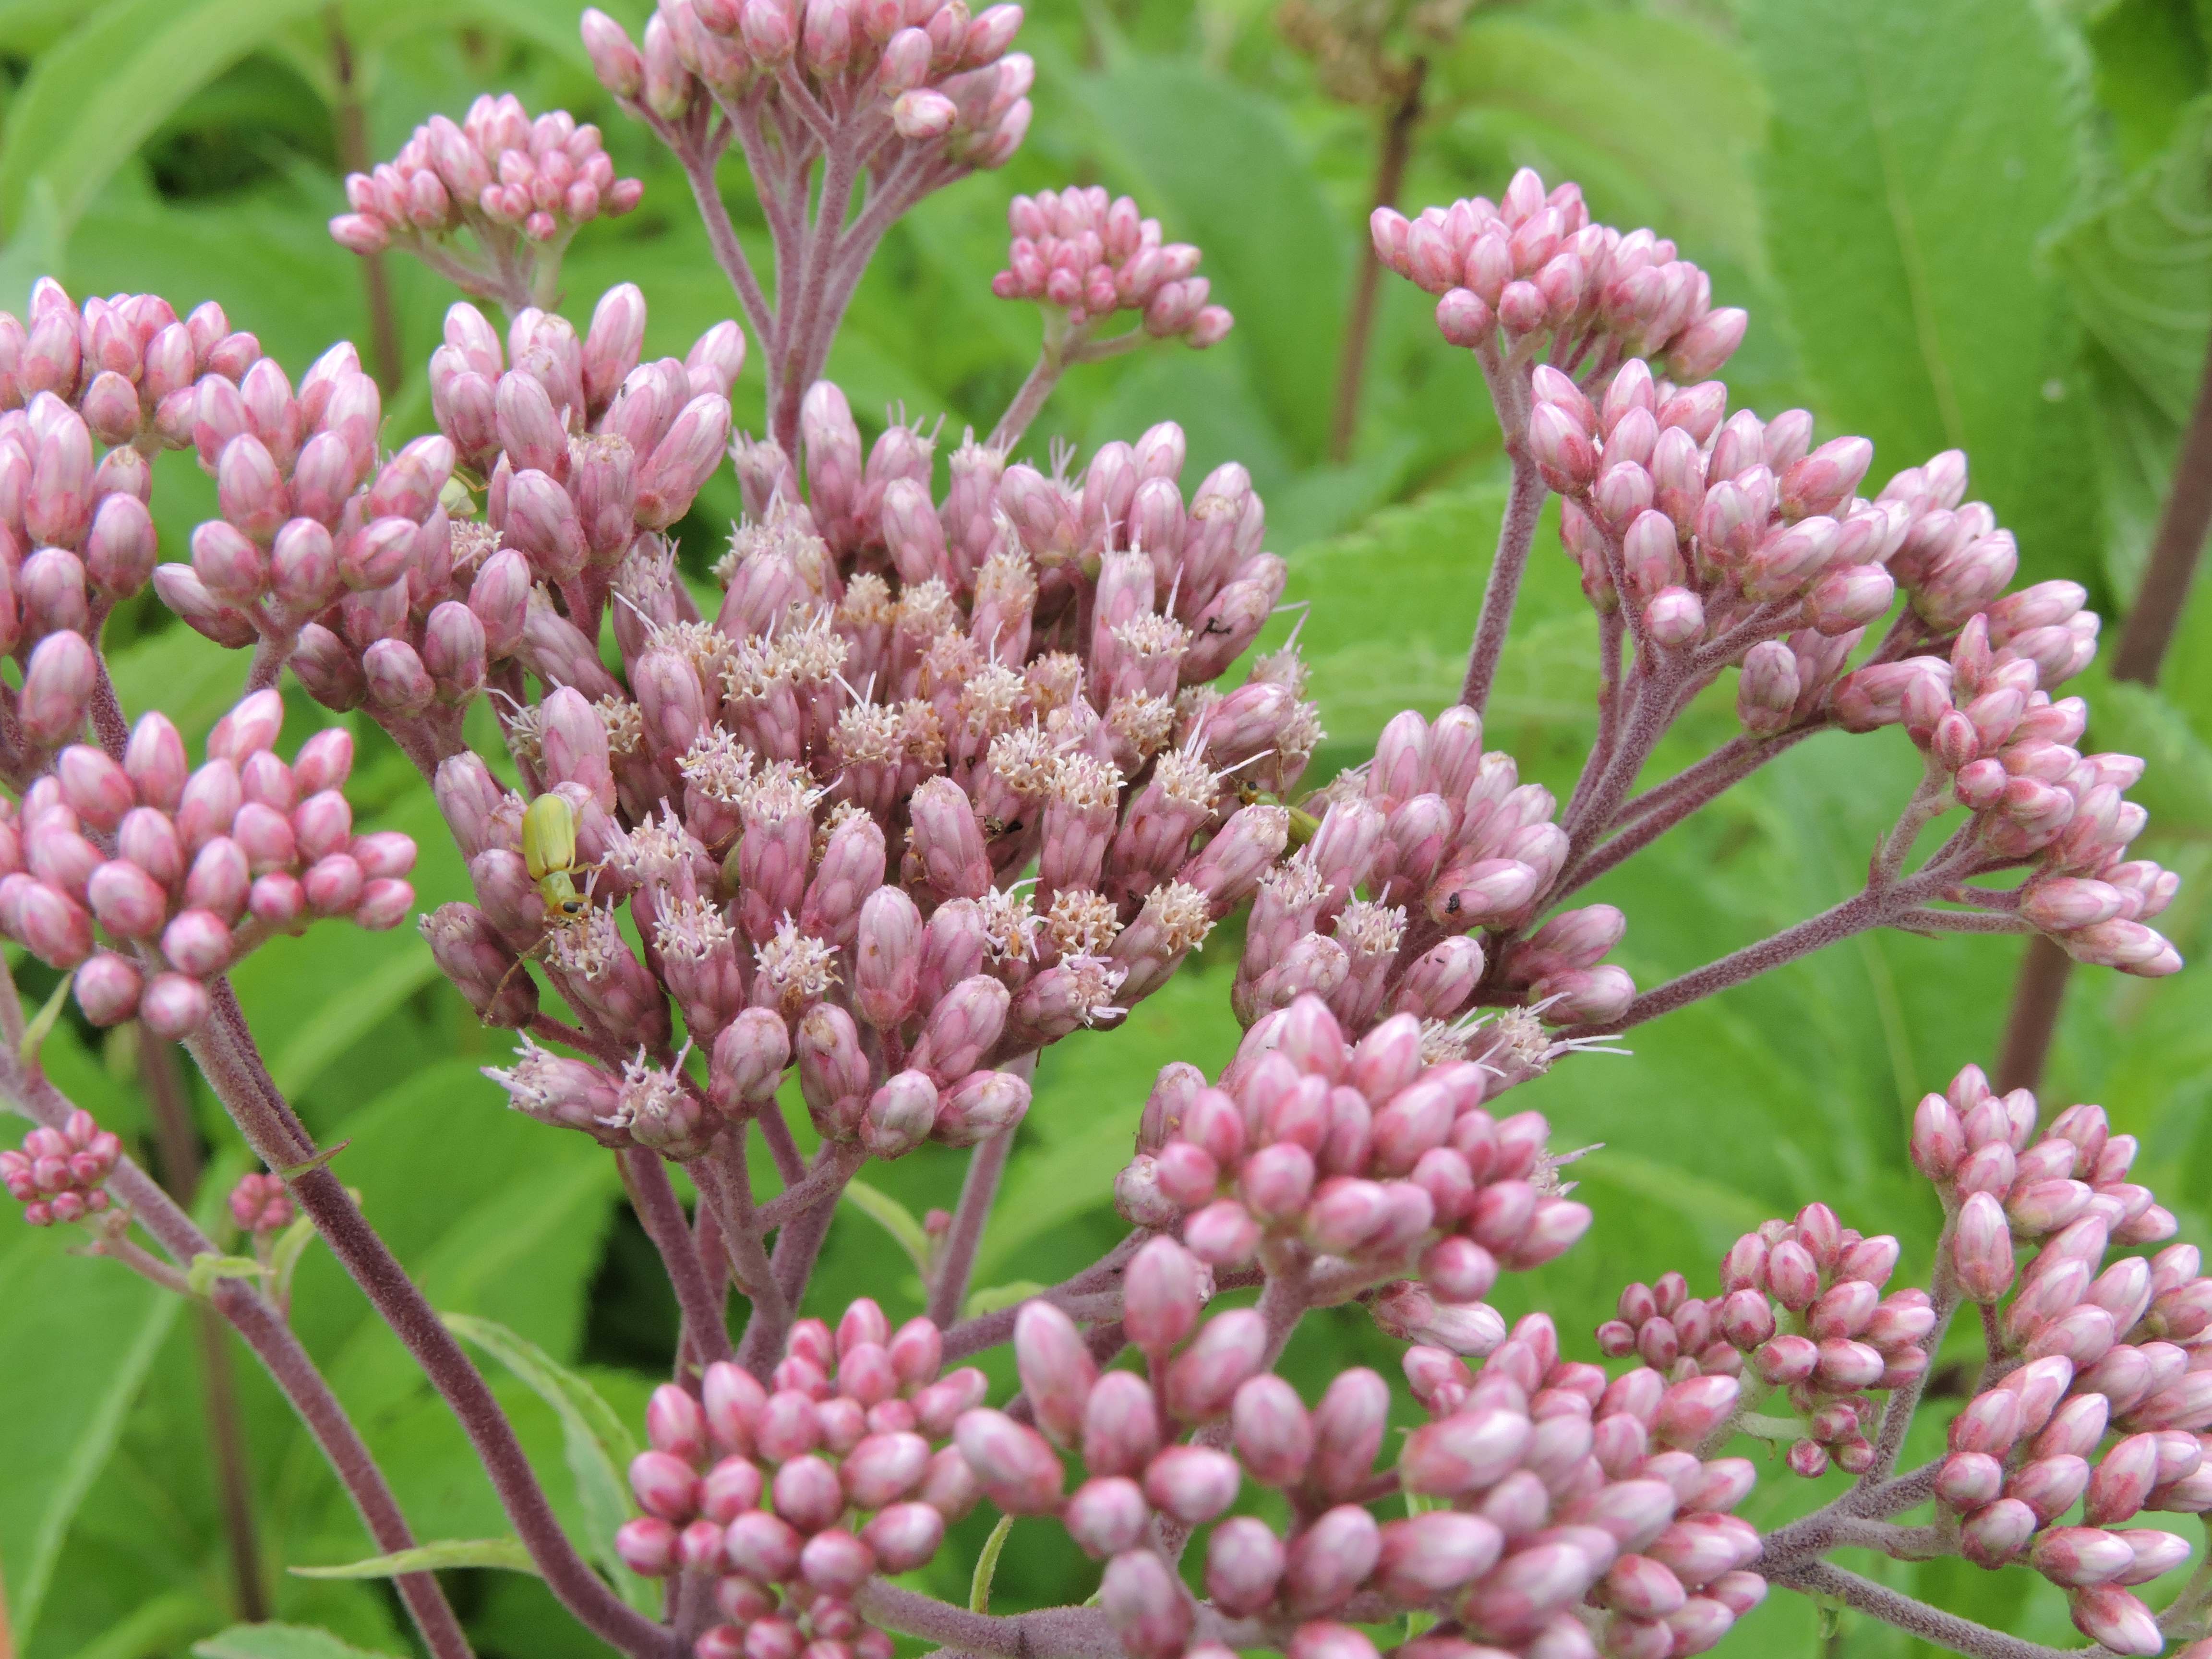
<point x="947" y="776"/>
<point x="2096" y="1388"/>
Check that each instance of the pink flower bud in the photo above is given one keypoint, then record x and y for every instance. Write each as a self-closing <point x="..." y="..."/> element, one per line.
<point x="1018" y="1471"/>
<point x="1057" y="1370"/>
<point x="57" y="684"/>
<point x="1161" y="1295"/>
<point x="107" y="988"/>
<point x="1982" y="1247"/>
<point x="2110" y="1616"/>
<point x="1147" y="1605"/>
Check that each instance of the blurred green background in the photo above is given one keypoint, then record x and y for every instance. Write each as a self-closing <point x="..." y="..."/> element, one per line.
<point x="1979" y="222"/>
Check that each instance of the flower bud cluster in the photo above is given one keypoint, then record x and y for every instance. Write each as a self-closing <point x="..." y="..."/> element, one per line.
<point x="61" y="1175"/>
<point x="1090" y="257"/>
<point x="1533" y="273"/>
<point x="785" y="1500"/>
<point x="308" y="518"/>
<point x="2105" y="1397"/>
<point x="505" y="178"/>
<point x="186" y="873"/>
<point x="1800" y="1311"/>
<point x="261" y="1204"/>
<point x="1561" y="1513"/>
<point x="1446" y="828"/>
<point x="1984" y="717"/>
<point x="906" y="75"/>
<point x="1359" y="1164"/>
<point x="128" y="364"/>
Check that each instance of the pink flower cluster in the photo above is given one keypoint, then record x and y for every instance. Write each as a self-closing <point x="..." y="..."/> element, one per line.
<point x="1446" y="826"/>
<point x="1534" y="269"/>
<point x="1090" y="257"/>
<point x="61" y="1175"/>
<point x="1356" y="1164"/>
<point x="850" y="774"/>
<point x="2112" y="1365"/>
<point x="126" y="364"/>
<point x="260" y="1203"/>
<point x="1801" y="1308"/>
<point x="1556" y="1502"/>
<point x="925" y="69"/>
<point x="759" y="1493"/>
<point x="496" y="173"/>
<point x="186" y="873"/>
<point x="359" y="571"/>
<point x="1984" y="717"/>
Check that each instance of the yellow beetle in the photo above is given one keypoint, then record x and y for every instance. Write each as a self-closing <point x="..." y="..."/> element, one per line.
<point x="548" y="849"/>
<point x="549" y="852"/>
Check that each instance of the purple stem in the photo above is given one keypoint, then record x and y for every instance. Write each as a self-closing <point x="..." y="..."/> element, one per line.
<point x="1669" y="805"/>
<point x="1047" y="1633"/>
<point x="1516" y="534"/>
<point x="989" y="1330"/>
<point x="1917" y="1618"/>
<point x="948" y="1285"/>
<point x="280" y="1353"/>
<point x="225" y="1053"/>
<point x="796" y="1248"/>
<point x="706" y="1337"/>
<point x="1854" y="916"/>
<point x="722" y="236"/>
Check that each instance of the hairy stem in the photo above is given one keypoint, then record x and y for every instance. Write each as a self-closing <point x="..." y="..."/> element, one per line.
<point x="225" y="1053"/>
<point x="988" y="1330"/>
<point x="272" y="1340"/>
<point x="1917" y="1618"/>
<point x="948" y="1286"/>
<point x="722" y="235"/>
<point x="706" y="1338"/>
<point x="1658" y="809"/>
<point x="1516" y="534"/>
<point x="1047" y="1633"/>
<point x="1397" y="149"/>
<point x="1855" y="915"/>
<point x="177" y="1144"/>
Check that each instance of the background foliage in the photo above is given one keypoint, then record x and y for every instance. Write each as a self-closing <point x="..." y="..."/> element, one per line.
<point x="1985" y="222"/>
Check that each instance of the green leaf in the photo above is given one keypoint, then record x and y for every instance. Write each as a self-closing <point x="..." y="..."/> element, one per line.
<point x="1603" y="91"/>
<point x="1222" y="169"/>
<point x="79" y="1334"/>
<point x="207" y="1267"/>
<point x="2176" y="787"/>
<point x="893" y="1218"/>
<point x="987" y="1565"/>
<point x="35" y="1033"/>
<point x="94" y="98"/>
<point x="156" y="1625"/>
<point x="1917" y="155"/>
<point x="2141" y="273"/>
<point x="504" y="1554"/>
<point x="597" y="1445"/>
<point x="37" y="247"/>
<point x="278" y="1642"/>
